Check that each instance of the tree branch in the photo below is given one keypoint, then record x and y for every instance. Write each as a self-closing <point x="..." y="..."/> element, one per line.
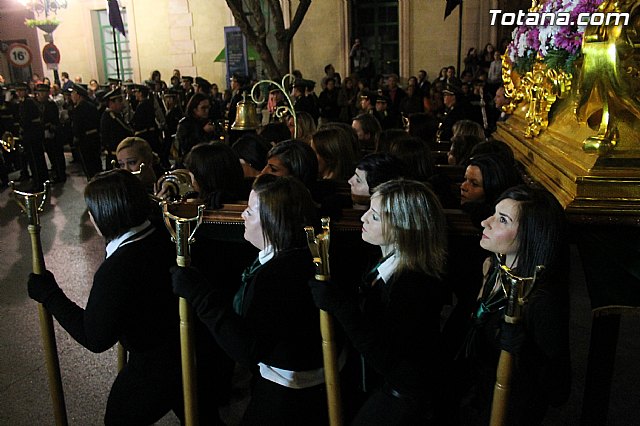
<point x="256" y="12"/>
<point x="256" y="40"/>
<point x="301" y="11"/>
<point x="276" y="12"/>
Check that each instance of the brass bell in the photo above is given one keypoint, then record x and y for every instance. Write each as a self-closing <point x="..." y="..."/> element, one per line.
<point x="246" y="115"/>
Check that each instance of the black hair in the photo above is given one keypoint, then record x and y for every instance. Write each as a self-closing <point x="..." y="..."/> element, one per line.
<point x="217" y="170"/>
<point x="462" y="147"/>
<point x="494" y="146"/>
<point x="381" y="167"/>
<point x="253" y="149"/>
<point x="117" y="201"/>
<point x="424" y="126"/>
<point x="299" y="159"/>
<point x="334" y="145"/>
<point x="416" y="154"/>
<point x="370" y="125"/>
<point x="275" y="132"/>
<point x="542" y="232"/>
<point x="286" y="208"/>
<point x="497" y="175"/>
<point x="194" y="102"/>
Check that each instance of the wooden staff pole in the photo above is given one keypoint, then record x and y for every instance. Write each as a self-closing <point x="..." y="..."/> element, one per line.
<point x="183" y="236"/>
<point x="319" y="247"/>
<point x="122" y="356"/>
<point x="502" y="389"/>
<point x="518" y="289"/>
<point x="28" y="202"/>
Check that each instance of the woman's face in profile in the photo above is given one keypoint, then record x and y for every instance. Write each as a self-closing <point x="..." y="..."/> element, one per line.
<point x="372" y="224"/>
<point x="252" y="224"/>
<point x="129" y="159"/>
<point x="472" y="188"/>
<point x="501" y="230"/>
<point x="358" y="183"/>
<point x="275" y="167"/>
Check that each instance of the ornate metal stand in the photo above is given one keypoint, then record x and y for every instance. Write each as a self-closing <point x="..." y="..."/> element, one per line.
<point x="281" y="110"/>
<point x="31" y="204"/>
<point x="182" y="235"/>
<point x="319" y="246"/>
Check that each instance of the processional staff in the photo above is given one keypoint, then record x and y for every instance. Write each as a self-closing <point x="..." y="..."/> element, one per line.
<point x="182" y="235"/>
<point x="518" y="290"/>
<point x="31" y="204"/>
<point x="319" y="246"/>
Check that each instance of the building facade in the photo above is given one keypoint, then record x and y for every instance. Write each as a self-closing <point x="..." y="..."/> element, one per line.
<point x="404" y="36"/>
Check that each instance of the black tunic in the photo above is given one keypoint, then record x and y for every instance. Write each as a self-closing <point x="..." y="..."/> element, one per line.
<point x="278" y="326"/>
<point x="542" y="373"/>
<point x="398" y="334"/>
<point x="131" y="301"/>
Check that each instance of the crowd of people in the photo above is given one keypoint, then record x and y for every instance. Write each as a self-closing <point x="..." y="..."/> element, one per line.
<point x="401" y="156"/>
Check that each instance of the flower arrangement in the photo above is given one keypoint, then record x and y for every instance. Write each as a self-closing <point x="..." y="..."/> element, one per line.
<point x="551" y="34"/>
<point x="35" y="23"/>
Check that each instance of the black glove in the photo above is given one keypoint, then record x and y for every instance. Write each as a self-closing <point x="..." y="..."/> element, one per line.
<point x="187" y="282"/>
<point x="42" y="287"/>
<point x="326" y="295"/>
<point x="512" y="337"/>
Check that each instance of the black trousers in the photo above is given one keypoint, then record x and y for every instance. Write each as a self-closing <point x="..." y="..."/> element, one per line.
<point x="275" y="405"/>
<point x="89" y="150"/>
<point x="55" y="151"/>
<point x="34" y="151"/>
<point x="145" y="390"/>
<point x="384" y="409"/>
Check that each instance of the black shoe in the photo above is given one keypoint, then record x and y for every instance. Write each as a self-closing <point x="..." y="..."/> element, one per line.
<point x="23" y="178"/>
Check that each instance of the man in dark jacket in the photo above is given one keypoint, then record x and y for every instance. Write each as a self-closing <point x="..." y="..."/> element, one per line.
<point x="113" y="128"/>
<point x="52" y="142"/>
<point x="457" y="109"/>
<point x="32" y="131"/>
<point x="86" y="121"/>
<point x="144" y="118"/>
<point x="328" y="102"/>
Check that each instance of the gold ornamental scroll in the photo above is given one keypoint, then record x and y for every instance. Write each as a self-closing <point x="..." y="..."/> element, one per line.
<point x="319" y="246"/>
<point x="281" y="110"/>
<point x="31" y="204"/>
<point x="518" y="290"/>
<point x="182" y="235"/>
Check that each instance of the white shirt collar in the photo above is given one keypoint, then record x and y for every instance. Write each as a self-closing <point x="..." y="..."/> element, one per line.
<point x="266" y="254"/>
<point x="124" y="239"/>
<point x="388" y="267"/>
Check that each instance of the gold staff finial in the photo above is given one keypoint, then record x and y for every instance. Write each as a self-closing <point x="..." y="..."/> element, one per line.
<point x="182" y="235"/>
<point x="32" y="203"/>
<point x="319" y="247"/>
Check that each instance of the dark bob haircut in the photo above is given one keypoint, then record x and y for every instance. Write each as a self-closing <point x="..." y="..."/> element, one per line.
<point x="216" y="168"/>
<point x="253" y="149"/>
<point x="286" y="208"/>
<point x="381" y="167"/>
<point x="117" y="201"/>
<point x="498" y="174"/>
<point x="299" y="159"/>
<point x="416" y="154"/>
